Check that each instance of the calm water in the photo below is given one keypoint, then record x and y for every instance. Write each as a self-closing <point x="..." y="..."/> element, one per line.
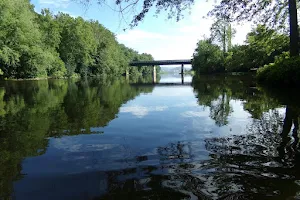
<point x="221" y="137"/>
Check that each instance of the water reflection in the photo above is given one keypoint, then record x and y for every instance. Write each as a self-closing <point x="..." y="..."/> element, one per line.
<point x="158" y="142"/>
<point x="32" y="111"/>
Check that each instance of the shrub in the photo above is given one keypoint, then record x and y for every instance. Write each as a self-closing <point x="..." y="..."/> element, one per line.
<point x="284" y="71"/>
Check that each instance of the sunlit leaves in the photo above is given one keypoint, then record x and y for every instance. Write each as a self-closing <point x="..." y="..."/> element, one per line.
<point x="44" y="45"/>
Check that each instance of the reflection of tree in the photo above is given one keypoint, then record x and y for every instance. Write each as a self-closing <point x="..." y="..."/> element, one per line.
<point x="216" y="92"/>
<point x="240" y="167"/>
<point x="144" y="79"/>
<point x="32" y="111"/>
<point x="289" y="146"/>
<point x="175" y="151"/>
<point x="220" y="109"/>
<point x="252" y="163"/>
<point x="139" y="183"/>
<point x="212" y="92"/>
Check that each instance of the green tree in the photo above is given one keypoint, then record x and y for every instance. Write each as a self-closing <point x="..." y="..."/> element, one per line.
<point x="208" y="58"/>
<point x="222" y="32"/>
<point x="273" y="13"/>
<point x="51" y="38"/>
<point x="262" y="46"/>
<point x="21" y="49"/>
<point x="78" y="44"/>
<point x="44" y="45"/>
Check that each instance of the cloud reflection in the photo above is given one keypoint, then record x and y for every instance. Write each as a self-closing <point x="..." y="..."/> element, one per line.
<point x="142" y="111"/>
<point x="195" y="114"/>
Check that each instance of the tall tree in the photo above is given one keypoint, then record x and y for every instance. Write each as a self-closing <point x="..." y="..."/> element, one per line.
<point x="222" y="32"/>
<point x="272" y="13"/>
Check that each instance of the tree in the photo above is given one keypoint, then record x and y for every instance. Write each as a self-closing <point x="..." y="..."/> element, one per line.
<point x="262" y="46"/>
<point x="222" y="32"/>
<point x="21" y="50"/>
<point x="44" y="45"/>
<point x="273" y="13"/>
<point x="207" y="58"/>
<point x="51" y="39"/>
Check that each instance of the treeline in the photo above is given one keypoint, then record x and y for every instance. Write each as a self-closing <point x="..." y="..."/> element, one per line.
<point x="34" y="45"/>
<point x="216" y="54"/>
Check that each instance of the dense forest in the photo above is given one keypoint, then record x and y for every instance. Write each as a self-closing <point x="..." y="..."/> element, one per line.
<point x="42" y="45"/>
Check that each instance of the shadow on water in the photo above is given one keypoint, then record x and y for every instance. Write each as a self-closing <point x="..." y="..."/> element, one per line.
<point x="261" y="164"/>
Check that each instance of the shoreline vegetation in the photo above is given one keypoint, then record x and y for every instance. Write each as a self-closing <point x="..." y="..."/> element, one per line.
<point x="265" y="49"/>
<point x="39" y="46"/>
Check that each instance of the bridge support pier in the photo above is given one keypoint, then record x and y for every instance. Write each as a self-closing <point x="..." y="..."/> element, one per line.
<point x="154" y="74"/>
<point x="182" y="74"/>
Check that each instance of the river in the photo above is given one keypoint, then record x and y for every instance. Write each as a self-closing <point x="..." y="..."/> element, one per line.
<point x="220" y="137"/>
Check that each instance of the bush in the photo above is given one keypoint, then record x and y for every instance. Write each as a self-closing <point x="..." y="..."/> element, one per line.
<point x="284" y="71"/>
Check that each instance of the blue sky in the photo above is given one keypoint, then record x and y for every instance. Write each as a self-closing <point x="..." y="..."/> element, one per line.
<point x="163" y="38"/>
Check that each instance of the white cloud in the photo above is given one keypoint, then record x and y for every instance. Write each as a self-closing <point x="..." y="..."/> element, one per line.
<point x="177" y="40"/>
<point x="55" y="3"/>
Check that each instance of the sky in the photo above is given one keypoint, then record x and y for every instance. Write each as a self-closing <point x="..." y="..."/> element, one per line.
<point x="161" y="37"/>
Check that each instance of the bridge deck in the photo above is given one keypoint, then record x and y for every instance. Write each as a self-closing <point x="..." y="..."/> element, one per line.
<point x="161" y="62"/>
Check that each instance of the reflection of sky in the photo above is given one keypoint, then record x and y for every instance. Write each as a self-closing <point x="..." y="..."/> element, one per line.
<point x="167" y="115"/>
<point x="141" y="111"/>
<point x="175" y="78"/>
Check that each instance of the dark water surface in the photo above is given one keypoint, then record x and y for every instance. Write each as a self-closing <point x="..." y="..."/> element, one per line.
<point x="221" y="137"/>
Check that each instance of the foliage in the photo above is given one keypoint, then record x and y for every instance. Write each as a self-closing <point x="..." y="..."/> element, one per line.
<point x="207" y="58"/>
<point x="45" y="45"/>
<point x="222" y="32"/>
<point x="272" y="13"/>
<point x="21" y="48"/>
<point x="262" y="46"/>
<point x="283" y="72"/>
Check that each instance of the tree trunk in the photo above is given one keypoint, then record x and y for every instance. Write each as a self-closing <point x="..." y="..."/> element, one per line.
<point x="229" y="36"/>
<point x="294" y="35"/>
<point x="224" y="40"/>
